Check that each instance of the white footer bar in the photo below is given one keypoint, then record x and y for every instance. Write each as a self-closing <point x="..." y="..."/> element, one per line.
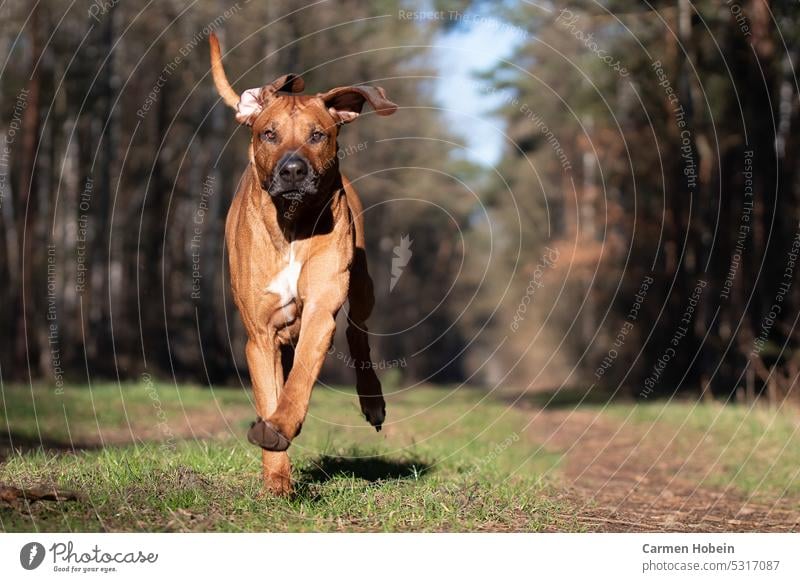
<point x="406" y="557"/>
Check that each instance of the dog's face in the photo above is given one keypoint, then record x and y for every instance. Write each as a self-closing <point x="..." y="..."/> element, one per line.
<point x="294" y="137"/>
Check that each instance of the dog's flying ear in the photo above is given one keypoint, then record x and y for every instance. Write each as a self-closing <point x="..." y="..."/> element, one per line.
<point x="345" y="103"/>
<point x="252" y="101"/>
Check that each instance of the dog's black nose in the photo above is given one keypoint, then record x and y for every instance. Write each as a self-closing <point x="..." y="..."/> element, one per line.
<point x="294" y="170"/>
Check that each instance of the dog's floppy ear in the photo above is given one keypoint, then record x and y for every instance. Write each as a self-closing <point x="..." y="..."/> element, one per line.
<point x="253" y="101"/>
<point x="345" y="103"/>
<point x="250" y="103"/>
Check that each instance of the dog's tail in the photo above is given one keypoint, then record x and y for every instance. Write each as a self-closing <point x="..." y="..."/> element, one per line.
<point x="230" y="96"/>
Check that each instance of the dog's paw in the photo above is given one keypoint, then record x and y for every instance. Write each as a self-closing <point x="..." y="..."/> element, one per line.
<point x="266" y="435"/>
<point x="374" y="410"/>
<point x="276" y="486"/>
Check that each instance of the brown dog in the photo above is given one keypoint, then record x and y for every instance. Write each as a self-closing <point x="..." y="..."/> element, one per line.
<point x="295" y="238"/>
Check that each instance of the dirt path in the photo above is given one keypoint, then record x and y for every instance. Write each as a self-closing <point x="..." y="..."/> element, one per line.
<point x="625" y="479"/>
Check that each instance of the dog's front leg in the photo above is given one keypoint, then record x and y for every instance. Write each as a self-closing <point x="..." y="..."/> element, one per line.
<point x="264" y="362"/>
<point x="316" y="332"/>
<point x="362" y="300"/>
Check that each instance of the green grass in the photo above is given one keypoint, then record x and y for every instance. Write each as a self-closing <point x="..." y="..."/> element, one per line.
<point x="442" y="463"/>
<point x="84" y="416"/>
<point x="755" y="450"/>
<point x="161" y="457"/>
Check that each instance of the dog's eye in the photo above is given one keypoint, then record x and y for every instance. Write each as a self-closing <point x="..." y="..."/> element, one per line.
<point x="269" y="135"/>
<point x="317" y="137"/>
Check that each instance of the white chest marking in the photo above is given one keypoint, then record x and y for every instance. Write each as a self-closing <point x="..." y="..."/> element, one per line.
<point x="284" y="285"/>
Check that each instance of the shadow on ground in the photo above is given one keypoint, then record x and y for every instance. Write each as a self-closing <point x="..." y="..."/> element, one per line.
<point x="372" y="469"/>
<point x="11" y="442"/>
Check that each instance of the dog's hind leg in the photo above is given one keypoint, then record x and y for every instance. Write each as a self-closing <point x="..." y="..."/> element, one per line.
<point x="287" y="359"/>
<point x="264" y="361"/>
<point x="362" y="300"/>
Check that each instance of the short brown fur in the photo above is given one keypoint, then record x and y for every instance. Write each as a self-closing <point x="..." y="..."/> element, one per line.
<point x="264" y="234"/>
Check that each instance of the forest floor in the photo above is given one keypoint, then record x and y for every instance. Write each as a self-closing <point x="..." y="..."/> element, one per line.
<point x="161" y="457"/>
<point x="671" y="467"/>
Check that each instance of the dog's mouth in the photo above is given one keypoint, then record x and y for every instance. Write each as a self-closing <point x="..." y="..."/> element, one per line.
<point x="291" y="192"/>
<point x="292" y="195"/>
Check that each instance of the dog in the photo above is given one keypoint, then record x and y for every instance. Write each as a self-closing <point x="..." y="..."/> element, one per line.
<point x="296" y="251"/>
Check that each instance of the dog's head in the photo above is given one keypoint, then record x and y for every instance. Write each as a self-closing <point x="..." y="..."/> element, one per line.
<point x="294" y="148"/>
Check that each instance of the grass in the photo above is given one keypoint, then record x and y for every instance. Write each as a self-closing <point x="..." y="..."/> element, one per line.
<point x="83" y="417"/>
<point x="755" y="450"/>
<point x="441" y="464"/>
<point x="161" y="457"/>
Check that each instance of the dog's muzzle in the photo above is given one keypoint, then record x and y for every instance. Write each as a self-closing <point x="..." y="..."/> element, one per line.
<point x="293" y="178"/>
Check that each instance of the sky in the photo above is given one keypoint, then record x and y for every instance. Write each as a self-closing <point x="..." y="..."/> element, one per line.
<point x="467" y="49"/>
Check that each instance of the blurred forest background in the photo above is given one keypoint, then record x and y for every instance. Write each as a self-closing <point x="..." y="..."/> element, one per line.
<point x="639" y="234"/>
